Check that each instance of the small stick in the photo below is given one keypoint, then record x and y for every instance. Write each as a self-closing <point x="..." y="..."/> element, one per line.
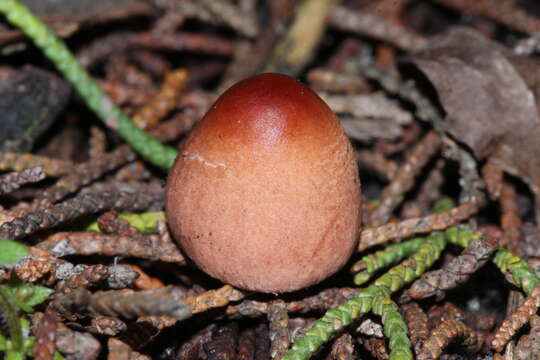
<point x="20" y="162"/>
<point x="511" y="16"/>
<point x="372" y="236"/>
<point x="151" y="247"/>
<point x="278" y="329"/>
<point x="376" y="161"/>
<point x="510" y="220"/>
<point x="441" y="337"/>
<point x="394" y="193"/>
<point x="164" y="101"/>
<point x="512" y="324"/>
<point x="85" y="173"/>
<point x="417" y="324"/>
<point x="454" y="273"/>
<point x="97" y="142"/>
<point x="12" y="181"/>
<point x="374" y="26"/>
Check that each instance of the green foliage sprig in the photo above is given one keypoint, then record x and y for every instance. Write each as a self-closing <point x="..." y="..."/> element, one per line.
<point x="14" y="297"/>
<point x="372" y="263"/>
<point x="522" y="275"/>
<point x="145" y="222"/>
<point x="92" y="94"/>
<point x="342" y="316"/>
<point x="395" y="329"/>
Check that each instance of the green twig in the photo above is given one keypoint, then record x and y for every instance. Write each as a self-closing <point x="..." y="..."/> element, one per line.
<point x="92" y="94"/>
<point x="523" y="276"/>
<point x="395" y="329"/>
<point x="335" y="320"/>
<point x="382" y="288"/>
<point x="368" y="265"/>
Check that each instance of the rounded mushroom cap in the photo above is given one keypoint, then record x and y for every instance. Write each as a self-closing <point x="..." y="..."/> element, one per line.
<point x="265" y="194"/>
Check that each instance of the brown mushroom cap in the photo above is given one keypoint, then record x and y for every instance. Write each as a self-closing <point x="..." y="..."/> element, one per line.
<point x="265" y="193"/>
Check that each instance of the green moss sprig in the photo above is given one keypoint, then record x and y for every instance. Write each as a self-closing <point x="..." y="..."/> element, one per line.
<point x="16" y="299"/>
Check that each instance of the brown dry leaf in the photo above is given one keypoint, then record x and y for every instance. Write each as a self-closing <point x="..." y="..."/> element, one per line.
<point x="489" y="104"/>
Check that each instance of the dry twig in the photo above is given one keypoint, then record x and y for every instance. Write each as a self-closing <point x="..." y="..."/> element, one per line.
<point x="403" y="181"/>
<point x="454" y="273"/>
<point x="123" y="197"/>
<point x="278" y="329"/>
<point x="12" y="181"/>
<point x="511" y="325"/>
<point x="442" y="336"/>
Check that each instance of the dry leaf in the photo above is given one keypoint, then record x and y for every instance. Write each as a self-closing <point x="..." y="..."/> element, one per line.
<point x="489" y="104"/>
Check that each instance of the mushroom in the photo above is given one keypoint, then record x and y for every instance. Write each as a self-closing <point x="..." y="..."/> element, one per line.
<point x="265" y="193"/>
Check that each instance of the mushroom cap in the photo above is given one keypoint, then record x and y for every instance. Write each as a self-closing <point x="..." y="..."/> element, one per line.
<point x="265" y="193"/>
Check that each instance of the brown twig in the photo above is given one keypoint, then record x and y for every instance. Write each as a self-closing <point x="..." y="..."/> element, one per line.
<point x="164" y="101"/>
<point x="178" y="125"/>
<point x="122" y="197"/>
<point x="510" y="16"/>
<point x="510" y="219"/>
<point x="528" y="346"/>
<point x="77" y="345"/>
<point x="376" y="161"/>
<point x="213" y="298"/>
<point x="134" y="171"/>
<point x="403" y="181"/>
<point x="430" y="190"/>
<point x="372" y="236"/>
<point x="151" y="247"/>
<point x="83" y="277"/>
<point x="454" y="273"/>
<point x="336" y="82"/>
<point x="278" y="329"/>
<point x="441" y="337"/>
<point x="121" y="41"/>
<point x="297" y="47"/>
<point x="12" y="181"/>
<point x="326" y="299"/>
<point x="125" y="95"/>
<point x="87" y="172"/>
<point x="371" y="25"/>
<point x="97" y="142"/>
<point x="127" y="303"/>
<point x="410" y="135"/>
<point x="20" y="162"/>
<point x="417" y="324"/>
<point x="367" y="106"/>
<point x="44" y="329"/>
<point x="492" y="174"/>
<point x="38" y="264"/>
<point x="511" y="325"/>
<point x="232" y="16"/>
